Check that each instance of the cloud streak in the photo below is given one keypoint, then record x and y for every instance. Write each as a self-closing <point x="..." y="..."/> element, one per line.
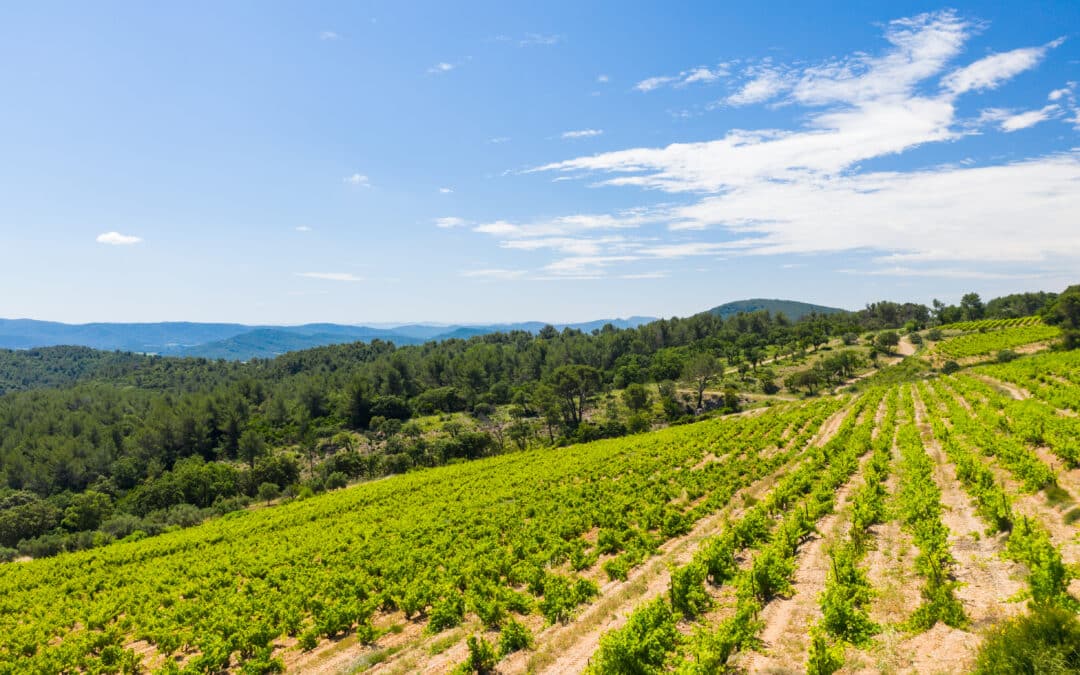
<point x="117" y="239"/>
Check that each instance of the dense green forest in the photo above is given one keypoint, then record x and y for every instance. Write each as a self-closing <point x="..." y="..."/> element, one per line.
<point x="96" y="446"/>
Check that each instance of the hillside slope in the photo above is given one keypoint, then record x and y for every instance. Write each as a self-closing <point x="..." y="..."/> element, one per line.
<point x="792" y="309"/>
<point x="406" y="569"/>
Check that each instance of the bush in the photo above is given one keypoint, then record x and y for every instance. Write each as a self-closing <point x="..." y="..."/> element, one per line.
<point x="642" y="645"/>
<point x="481" y="659"/>
<point x="514" y="637"/>
<point x="1045" y="641"/>
<point x="1006" y="355"/>
<point x="446" y="613"/>
<point x="336" y="480"/>
<point x="950" y="367"/>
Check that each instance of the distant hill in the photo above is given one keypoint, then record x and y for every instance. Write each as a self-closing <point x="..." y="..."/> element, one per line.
<point x="266" y="343"/>
<point x="792" y="309"/>
<point x="241" y="342"/>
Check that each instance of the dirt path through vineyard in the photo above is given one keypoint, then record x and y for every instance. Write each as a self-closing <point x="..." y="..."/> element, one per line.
<point x="985" y="577"/>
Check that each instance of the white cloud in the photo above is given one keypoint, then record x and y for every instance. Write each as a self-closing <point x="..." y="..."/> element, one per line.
<point x="329" y="35"/>
<point x="650" y="83"/>
<point x="989" y="72"/>
<point x="582" y="133"/>
<point x="1028" y="119"/>
<point x="602" y="79"/>
<point x="703" y="74"/>
<point x="499" y="139"/>
<point x="358" y="179"/>
<point x="330" y="276"/>
<point x="804" y="191"/>
<point x="117" y="239"/>
<point x="449" y="222"/>
<point x="445" y="190"/>
<point x="1009" y="121"/>
<point x="698" y="74"/>
<point x="1064" y="92"/>
<point x="1021" y="212"/>
<point x="441" y="67"/>
<point x="766" y="85"/>
<point x="303" y="228"/>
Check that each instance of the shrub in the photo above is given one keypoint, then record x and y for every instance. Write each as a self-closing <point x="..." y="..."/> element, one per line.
<point x="481" y="659"/>
<point x="446" y="613"/>
<point x="641" y="646"/>
<point x="1006" y="355"/>
<point x="1045" y="641"/>
<point x="336" y="480"/>
<point x="514" y="637"/>
<point x="950" y="367"/>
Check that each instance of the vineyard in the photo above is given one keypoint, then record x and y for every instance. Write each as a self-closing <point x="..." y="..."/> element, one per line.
<point x="992" y="324"/>
<point x="972" y="345"/>
<point x="890" y="529"/>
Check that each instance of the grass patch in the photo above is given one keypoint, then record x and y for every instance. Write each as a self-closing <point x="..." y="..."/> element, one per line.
<point x="442" y="644"/>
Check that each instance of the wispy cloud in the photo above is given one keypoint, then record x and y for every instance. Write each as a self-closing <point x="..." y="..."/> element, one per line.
<point x="698" y="74"/>
<point x="582" y="133"/>
<point x="358" y="179"/>
<point x="1009" y="121"/>
<point x="602" y="79"/>
<point x="532" y="39"/>
<point x="441" y="67"/>
<point x="765" y="85"/>
<point x="303" y="228"/>
<point x="445" y="190"/>
<point x="449" y="222"/>
<point x="499" y="139"/>
<point x="804" y="191"/>
<point x="990" y="71"/>
<point x="117" y="239"/>
<point x="331" y="276"/>
<point x="329" y="35"/>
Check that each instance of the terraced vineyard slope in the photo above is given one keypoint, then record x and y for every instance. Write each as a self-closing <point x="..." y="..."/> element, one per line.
<point x="899" y="525"/>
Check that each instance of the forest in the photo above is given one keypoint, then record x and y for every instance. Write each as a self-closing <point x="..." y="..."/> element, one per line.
<point x="99" y="446"/>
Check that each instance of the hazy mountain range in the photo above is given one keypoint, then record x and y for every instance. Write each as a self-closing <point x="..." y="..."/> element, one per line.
<point x="241" y="342"/>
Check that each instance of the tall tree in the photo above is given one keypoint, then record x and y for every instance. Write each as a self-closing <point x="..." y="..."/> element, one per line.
<point x="700" y="370"/>
<point x="574" y="385"/>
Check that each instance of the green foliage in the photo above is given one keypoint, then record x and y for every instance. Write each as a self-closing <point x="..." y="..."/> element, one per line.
<point x="447" y="612"/>
<point x="482" y="658"/>
<point x="1046" y="641"/>
<point x="823" y="659"/>
<point x="687" y="589"/>
<point x="514" y="637"/>
<point x="994" y="342"/>
<point x="641" y="646"/>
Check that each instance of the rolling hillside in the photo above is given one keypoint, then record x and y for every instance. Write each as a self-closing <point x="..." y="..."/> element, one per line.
<point x="897" y="524"/>
<point x="792" y="309"/>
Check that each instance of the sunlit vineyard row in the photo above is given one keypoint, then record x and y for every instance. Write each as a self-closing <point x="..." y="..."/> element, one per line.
<point x="993" y="324"/>
<point x="981" y="344"/>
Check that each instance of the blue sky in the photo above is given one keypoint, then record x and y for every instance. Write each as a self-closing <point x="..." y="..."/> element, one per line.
<point x="381" y="162"/>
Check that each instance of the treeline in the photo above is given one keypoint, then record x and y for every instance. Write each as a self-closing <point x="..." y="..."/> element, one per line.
<point x="101" y="445"/>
